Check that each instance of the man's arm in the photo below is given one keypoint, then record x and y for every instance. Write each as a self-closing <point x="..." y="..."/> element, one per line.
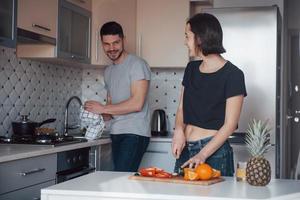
<point x="135" y="103"/>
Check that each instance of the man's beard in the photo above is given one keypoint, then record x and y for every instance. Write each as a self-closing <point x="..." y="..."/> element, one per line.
<point x="114" y="58"/>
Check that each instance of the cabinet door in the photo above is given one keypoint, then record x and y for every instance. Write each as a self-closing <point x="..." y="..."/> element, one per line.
<point x="74" y="33"/>
<point x="23" y="173"/>
<point x="8" y="16"/>
<point x="86" y="4"/>
<point x="29" y="193"/>
<point x="121" y="11"/>
<point x="65" y="32"/>
<point x="160" y="32"/>
<point x="38" y="16"/>
<point x="159" y="154"/>
<point x="80" y="40"/>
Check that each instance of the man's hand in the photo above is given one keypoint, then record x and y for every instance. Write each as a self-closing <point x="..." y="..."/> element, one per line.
<point x="178" y="143"/>
<point x="94" y="107"/>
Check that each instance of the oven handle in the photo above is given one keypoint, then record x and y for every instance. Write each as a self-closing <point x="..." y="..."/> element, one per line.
<point x="79" y="173"/>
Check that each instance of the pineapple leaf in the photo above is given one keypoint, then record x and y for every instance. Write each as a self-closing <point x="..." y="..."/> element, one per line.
<point x="258" y="138"/>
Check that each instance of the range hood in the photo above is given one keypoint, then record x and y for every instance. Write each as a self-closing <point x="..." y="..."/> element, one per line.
<point x="29" y="37"/>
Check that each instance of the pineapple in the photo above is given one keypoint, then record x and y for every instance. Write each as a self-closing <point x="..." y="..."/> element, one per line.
<point x="258" y="170"/>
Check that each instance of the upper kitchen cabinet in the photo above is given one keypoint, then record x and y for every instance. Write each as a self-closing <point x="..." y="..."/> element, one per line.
<point x="121" y="11"/>
<point x="160" y="32"/>
<point x="56" y="31"/>
<point x="38" y="17"/>
<point x="8" y="16"/>
<point x="86" y="4"/>
<point x="74" y="32"/>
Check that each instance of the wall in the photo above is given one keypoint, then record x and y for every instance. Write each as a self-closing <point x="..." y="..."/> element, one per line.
<point x="164" y="89"/>
<point x="37" y="89"/>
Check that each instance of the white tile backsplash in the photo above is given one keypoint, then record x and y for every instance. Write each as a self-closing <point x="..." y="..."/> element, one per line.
<point x="35" y="88"/>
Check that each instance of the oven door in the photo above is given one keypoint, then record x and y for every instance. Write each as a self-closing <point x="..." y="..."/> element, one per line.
<point x="68" y="175"/>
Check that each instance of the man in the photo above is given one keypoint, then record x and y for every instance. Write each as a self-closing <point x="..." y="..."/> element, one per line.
<point x="127" y="82"/>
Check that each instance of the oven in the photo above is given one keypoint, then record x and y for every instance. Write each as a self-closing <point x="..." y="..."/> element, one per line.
<point x="72" y="164"/>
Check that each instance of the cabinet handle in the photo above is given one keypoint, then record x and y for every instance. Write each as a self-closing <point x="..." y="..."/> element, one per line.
<point x="41" y="27"/>
<point x="32" y="171"/>
<point x="36" y="198"/>
<point x="154" y="151"/>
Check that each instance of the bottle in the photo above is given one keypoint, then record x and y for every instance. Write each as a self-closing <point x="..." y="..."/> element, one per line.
<point x="241" y="171"/>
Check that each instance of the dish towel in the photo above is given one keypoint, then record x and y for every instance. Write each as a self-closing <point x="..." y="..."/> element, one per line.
<point x="93" y="123"/>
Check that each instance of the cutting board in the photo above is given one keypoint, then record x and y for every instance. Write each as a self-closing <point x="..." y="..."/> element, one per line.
<point x="177" y="179"/>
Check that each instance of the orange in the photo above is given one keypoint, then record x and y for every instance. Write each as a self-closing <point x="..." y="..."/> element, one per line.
<point x="216" y="173"/>
<point x="204" y="171"/>
<point x="190" y="174"/>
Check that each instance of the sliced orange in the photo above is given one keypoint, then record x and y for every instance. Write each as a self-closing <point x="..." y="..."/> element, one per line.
<point x="190" y="174"/>
<point x="204" y="171"/>
<point x="216" y="173"/>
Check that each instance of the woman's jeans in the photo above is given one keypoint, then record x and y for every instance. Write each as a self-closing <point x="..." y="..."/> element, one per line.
<point x="221" y="160"/>
<point x="128" y="151"/>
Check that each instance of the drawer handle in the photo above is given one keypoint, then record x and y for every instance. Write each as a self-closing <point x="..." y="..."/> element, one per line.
<point x="32" y="171"/>
<point x="41" y="27"/>
<point x="153" y="151"/>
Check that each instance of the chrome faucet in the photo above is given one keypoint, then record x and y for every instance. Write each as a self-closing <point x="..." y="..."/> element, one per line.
<point x="66" y="125"/>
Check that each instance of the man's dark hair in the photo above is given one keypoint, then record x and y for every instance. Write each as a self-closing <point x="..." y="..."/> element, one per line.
<point x="112" y="28"/>
<point x="208" y="33"/>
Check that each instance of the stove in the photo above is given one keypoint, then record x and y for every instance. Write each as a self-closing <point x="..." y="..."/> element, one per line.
<point x="49" y="140"/>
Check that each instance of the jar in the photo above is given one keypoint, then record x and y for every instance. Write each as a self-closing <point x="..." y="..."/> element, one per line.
<point x="241" y="171"/>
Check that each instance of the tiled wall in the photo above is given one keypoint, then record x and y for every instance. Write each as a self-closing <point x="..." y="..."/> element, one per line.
<point x="41" y="90"/>
<point x="164" y="89"/>
<point x="37" y="89"/>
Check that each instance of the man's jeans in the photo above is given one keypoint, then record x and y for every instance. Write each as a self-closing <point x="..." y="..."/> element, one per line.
<point x="221" y="160"/>
<point x="128" y="151"/>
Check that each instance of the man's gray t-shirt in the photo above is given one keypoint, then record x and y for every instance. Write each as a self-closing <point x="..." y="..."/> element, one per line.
<point x="118" y="79"/>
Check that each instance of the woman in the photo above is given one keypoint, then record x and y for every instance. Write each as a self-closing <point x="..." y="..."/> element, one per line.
<point x="211" y="99"/>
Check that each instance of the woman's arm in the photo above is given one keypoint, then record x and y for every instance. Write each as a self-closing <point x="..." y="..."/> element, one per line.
<point x="232" y="115"/>
<point x="178" y="141"/>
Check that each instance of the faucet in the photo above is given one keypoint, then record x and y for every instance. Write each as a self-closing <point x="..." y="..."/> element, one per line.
<point x="66" y="125"/>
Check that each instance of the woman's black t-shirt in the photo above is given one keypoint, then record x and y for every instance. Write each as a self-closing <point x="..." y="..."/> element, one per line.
<point x="205" y="94"/>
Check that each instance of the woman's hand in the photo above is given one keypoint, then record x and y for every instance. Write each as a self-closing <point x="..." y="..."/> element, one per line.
<point x="178" y="143"/>
<point x="193" y="162"/>
<point x="94" y="107"/>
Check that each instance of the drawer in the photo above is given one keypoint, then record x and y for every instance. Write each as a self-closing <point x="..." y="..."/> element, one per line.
<point x="159" y="154"/>
<point x="29" y="193"/>
<point x="26" y="172"/>
<point x="162" y="147"/>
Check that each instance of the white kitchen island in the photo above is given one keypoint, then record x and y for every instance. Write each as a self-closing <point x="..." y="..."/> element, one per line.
<point x="116" y="185"/>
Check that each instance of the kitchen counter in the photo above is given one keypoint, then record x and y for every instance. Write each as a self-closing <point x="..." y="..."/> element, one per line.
<point x="10" y="152"/>
<point x="116" y="185"/>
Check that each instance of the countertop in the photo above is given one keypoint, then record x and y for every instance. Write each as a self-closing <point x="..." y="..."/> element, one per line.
<point x="106" y="185"/>
<point x="10" y="152"/>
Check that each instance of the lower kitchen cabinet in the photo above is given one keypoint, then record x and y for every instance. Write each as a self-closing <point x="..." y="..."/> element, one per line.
<point x="159" y="154"/>
<point x="23" y="179"/>
<point x="102" y="157"/>
<point x="29" y="193"/>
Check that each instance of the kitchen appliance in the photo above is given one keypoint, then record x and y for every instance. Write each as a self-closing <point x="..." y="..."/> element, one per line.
<point x="159" y="123"/>
<point x="49" y="140"/>
<point x="72" y="164"/>
<point x="26" y="127"/>
<point x="251" y="37"/>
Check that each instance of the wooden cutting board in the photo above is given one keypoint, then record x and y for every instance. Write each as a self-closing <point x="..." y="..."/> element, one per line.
<point x="177" y="179"/>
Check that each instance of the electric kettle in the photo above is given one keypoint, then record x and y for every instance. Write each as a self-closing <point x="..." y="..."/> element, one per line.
<point x="159" y="123"/>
